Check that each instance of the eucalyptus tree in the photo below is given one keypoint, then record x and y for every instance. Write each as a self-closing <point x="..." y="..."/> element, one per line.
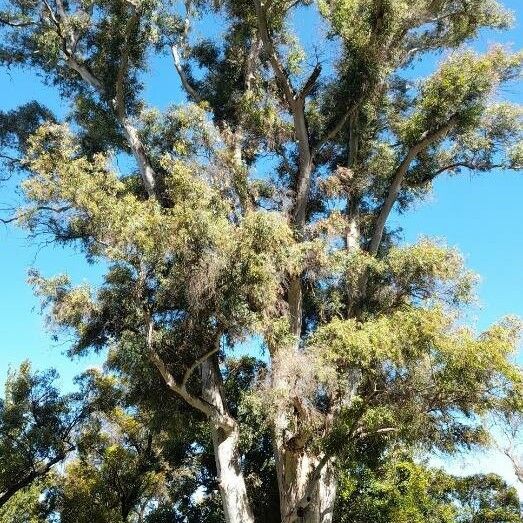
<point x="259" y="209"/>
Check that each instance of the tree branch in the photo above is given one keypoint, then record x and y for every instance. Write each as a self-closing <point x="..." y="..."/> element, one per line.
<point x="131" y="133"/>
<point x="39" y="472"/>
<point x="250" y="63"/>
<point x="16" y="23"/>
<point x="399" y="176"/>
<point x="282" y="76"/>
<point x="311" y="82"/>
<point x="313" y="478"/>
<point x="12" y="159"/>
<point x="221" y="419"/>
<point x="469" y="165"/>
<point x="517" y="464"/>
<point x="386" y="430"/>
<point x="191" y="91"/>
<point x="30" y="211"/>
<point x="197" y="363"/>
<point x="119" y="101"/>
<point x="183" y="77"/>
<point x="296" y="107"/>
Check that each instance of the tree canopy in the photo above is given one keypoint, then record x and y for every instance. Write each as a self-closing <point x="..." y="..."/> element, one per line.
<point x="258" y="209"/>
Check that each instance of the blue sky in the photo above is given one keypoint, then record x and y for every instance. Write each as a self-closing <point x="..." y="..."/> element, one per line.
<point x="481" y="215"/>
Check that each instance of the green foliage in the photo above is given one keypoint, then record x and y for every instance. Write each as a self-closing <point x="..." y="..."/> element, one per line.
<point x="27" y="505"/>
<point x="209" y="244"/>
<point x="459" y="89"/>
<point x="403" y="491"/>
<point x="37" y="427"/>
<point x="433" y="370"/>
<point x="116" y="474"/>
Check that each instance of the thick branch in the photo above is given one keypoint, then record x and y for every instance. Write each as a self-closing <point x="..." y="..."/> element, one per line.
<point x="311" y="82"/>
<point x="119" y="101"/>
<point x="313" y="478"/>
<point x="16" y="23"/>
<point x="39" y="472"/>
<point x="76" y="64"/>
<point x="282" y="76"/>
<point x="336" y="128"/>
<point x="191" y="91"/>
<point x="250" y="64"/>
<point x="296" y="106"/>
<point x="131" y="133"/>
<point x="399" y="176"/>
<point x="197" y="363"/>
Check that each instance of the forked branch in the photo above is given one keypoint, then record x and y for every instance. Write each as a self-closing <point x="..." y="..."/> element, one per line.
<point x="221" y="419"/>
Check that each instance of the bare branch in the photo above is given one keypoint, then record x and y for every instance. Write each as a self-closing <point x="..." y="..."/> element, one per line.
<point x="77" y="64"/>
<point x="30" y="211"/>
<point x="16" y="23"/>
<point x="517" y="464"/>
<point x="177" y="57"/>
<point x="311" y="82"/>
<point x="33" y="474"/>
<point x="221" y="419"/>
<point x="469" y="165"/>
<point x="123" y="67"/>
<point x="183" y="76"/>
<point x="252" y="57"/>
<point x="296" y="107"/>
<point x="386" y="430"/>
<point x="282" y="76"/>
<point x="336" y="129"/>
<point x="11" y="159"/>
<point x="131" y="133"/>
<point x="74" y="62"/>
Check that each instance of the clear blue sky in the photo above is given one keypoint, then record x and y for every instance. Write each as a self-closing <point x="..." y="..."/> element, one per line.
<point x="481" y="215"/>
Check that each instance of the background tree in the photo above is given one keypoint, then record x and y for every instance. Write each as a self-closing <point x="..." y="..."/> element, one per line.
<point x="402" y="490"/>
<point x="37" y="429"/>
<point x="361" y="333"/>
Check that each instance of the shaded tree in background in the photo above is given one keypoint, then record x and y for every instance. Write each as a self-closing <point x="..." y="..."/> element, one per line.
<point x="361" y="333"/>
<point x="402" y="490"/>
<point x="37" y="429"/>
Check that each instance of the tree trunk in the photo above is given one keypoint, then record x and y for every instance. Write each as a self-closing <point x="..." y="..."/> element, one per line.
<point x="236" y="506"/>
<point x="307" y="489"/>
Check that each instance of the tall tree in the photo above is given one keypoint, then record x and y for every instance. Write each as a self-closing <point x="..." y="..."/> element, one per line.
<point x="204" y="252"/>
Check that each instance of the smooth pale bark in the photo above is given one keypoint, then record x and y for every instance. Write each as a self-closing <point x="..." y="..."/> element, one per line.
<point x="236" y="505"/>
<point x="308" y="486"/>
